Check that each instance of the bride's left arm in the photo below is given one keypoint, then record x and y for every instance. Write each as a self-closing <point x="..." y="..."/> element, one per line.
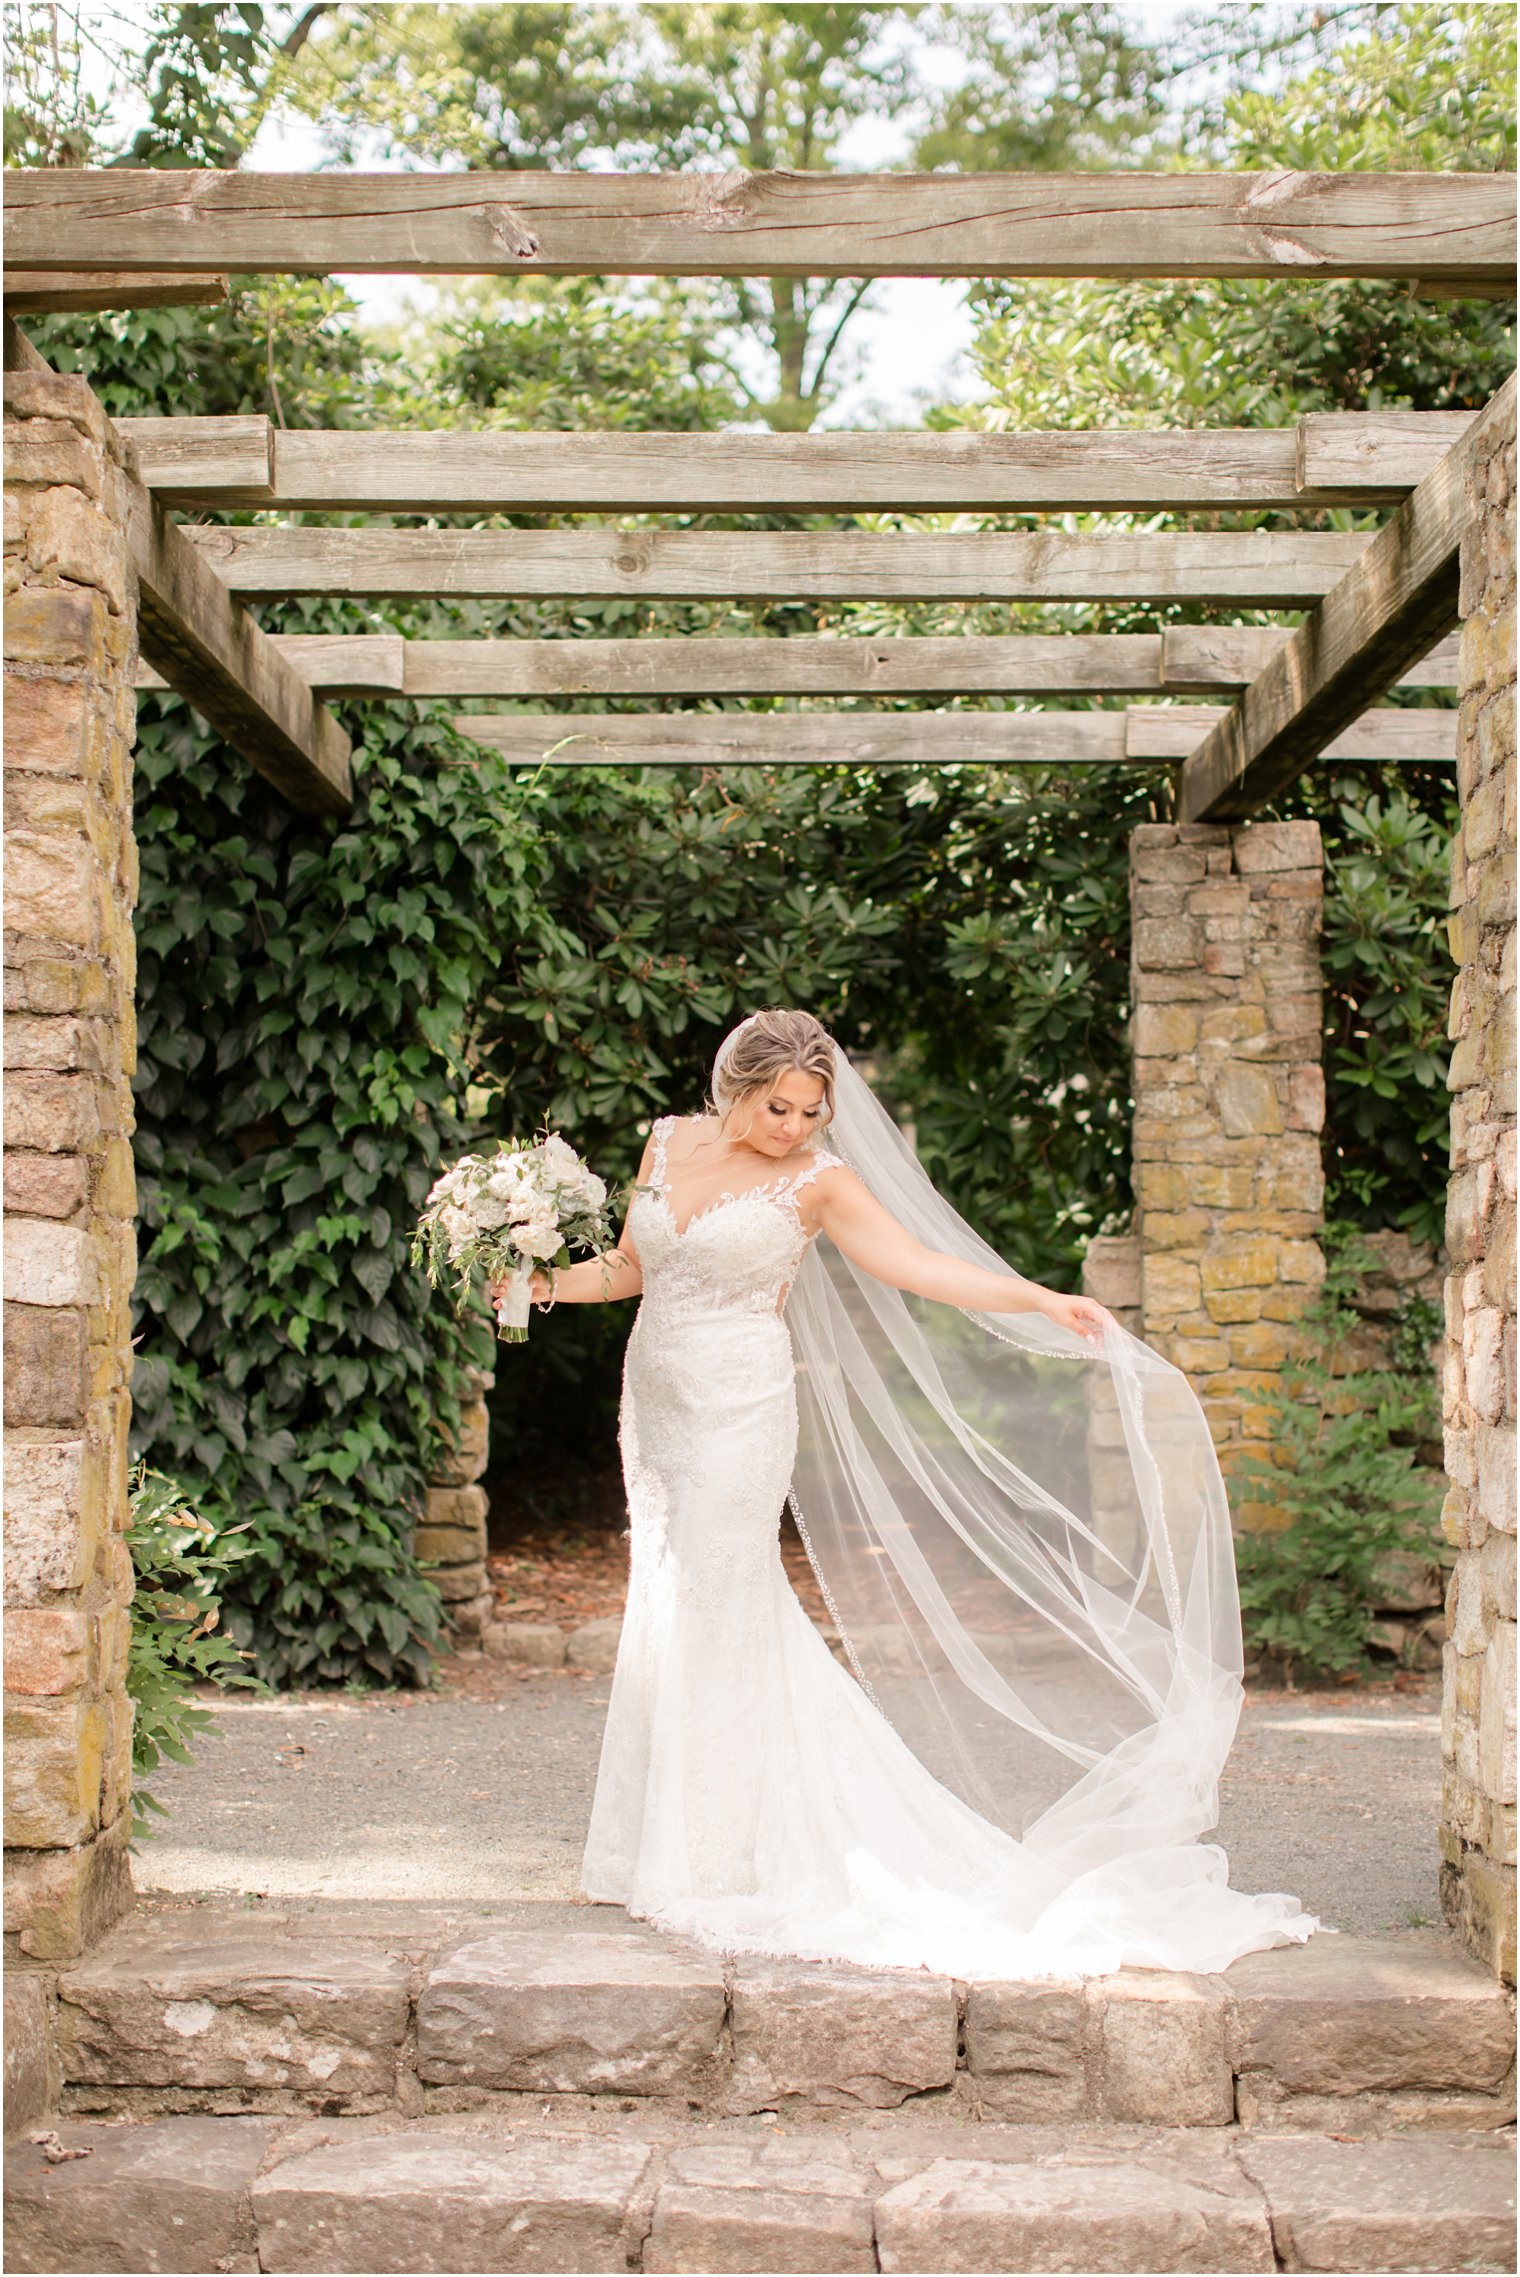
<point x="849" y="1213"/>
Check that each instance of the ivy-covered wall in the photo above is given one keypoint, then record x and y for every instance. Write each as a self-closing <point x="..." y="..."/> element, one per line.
<point x="306" y="998"/>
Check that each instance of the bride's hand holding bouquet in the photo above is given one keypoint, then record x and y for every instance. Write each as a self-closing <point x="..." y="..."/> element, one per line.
<point x="513" y="1217"/>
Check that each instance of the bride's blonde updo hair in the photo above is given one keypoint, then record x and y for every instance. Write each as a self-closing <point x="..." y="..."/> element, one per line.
<point x="766" y="1046"/>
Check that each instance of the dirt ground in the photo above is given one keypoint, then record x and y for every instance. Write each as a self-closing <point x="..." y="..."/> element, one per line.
<point x="570" y="1574"/>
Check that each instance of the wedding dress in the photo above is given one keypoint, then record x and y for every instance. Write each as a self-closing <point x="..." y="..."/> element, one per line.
<point x="755" y="1794"/>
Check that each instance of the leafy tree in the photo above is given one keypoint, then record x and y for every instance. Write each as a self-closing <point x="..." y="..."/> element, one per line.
<point x="52" y="117"/>
<point x="738" y="85"/>
<point x="200" y="77"/>
<point x="1426" y="89"/>
<point x="1053" y="89"/>
<point x="566" y="353"/>
<point x="286" y="346"/>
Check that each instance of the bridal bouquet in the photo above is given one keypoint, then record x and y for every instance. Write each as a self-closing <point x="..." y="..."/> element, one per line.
<point x="509" y="1214"/>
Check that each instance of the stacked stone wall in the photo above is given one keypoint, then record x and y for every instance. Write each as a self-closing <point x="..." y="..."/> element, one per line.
<point x="70" y="883"/>
<point x="452" y="1536"/>
<point x="1478" y="1807"/>
<point x="1229" y="1105"/>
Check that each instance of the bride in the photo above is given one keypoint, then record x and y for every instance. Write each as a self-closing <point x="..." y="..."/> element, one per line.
<point x="1017" y="1520"/>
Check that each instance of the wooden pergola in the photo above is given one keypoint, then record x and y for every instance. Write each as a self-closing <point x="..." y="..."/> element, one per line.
<point x="1381" y="609"/>
<point x="1226" y="983"/>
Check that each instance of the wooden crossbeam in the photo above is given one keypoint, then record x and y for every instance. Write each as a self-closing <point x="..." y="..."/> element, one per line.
<point x="1007" y="664"/>
<point x="339" y="664"/>
<point x="1176" y="662"/>
<point x="801" y="739"/>
<point x="858" y="739"/>
<point x="206" y="646"/>
<point x="1342" y="450"/>
<point x="1195" y="658"/>
<point x="210" y="650"/>
<point x="43" y="292"/>
<point x="1400" y="595"/>
<point x="20" y="355"/>
<point x="1249" y="568"/>
<point x="1350" y="459"/>
<point x="1457" y="228"/>
<point x="1388" y="731"/>
<point x="1186" y="660"/>
<point x="226" y="458"/>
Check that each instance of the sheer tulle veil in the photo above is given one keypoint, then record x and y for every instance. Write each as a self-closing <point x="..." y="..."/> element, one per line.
<point x="1024" y="1543"/>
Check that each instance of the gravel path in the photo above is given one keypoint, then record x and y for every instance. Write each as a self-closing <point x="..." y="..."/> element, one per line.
<point x="481" y="1792"/>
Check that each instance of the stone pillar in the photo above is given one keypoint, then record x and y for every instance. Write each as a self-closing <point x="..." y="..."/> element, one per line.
<point x="70" y="882"/>
<point x="453" y="1530"/>
<point x="1229" y="1104"/>
<point x="1478" y="1721"/>
<point x="1111" y="1275"/>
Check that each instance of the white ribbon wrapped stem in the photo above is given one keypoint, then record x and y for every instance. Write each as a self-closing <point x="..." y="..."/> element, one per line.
<point x="515" y="1303"/>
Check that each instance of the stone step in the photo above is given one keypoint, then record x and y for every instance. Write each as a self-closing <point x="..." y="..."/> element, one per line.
<point x="481" y="2193"/>
<point x="362" y="2009"/>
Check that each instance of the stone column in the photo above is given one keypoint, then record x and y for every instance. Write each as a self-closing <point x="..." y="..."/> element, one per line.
<point x="1478" y="1720"/>
<point x="453" y="1530"/>
<point x="70" y="882"/>
<point x="1229" y="1105"/>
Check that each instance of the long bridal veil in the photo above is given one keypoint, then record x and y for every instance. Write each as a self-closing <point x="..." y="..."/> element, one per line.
<point x="1025" y="1545"/>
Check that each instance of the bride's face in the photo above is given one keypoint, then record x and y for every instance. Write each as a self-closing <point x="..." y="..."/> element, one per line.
<point x="787" y="1118"/>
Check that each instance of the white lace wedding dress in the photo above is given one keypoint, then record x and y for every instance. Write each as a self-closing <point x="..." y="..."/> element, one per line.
<point x="750" y="1796"/>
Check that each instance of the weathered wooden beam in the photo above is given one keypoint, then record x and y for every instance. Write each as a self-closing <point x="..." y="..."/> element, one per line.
<point x="1195" y="658"/>
<point x="57" y="292"/>
<point x="183" y="460"/>
<point x="1341" y="450"/>
<point x="1186" y="660"/>
<point x="1401" y="595"/>
<point x="1374" y="461"/>
<point x="337" y="664"/>
<point x="1457" y="227"/>
<point x="210" y="650"/>
<point x="801" y="739"/>
<point x="1142" y="734"/>
<point x="1183" y="660"/>
<point x="20" y="355"/>
<point x="1388" y="731"/>
<point x="1007" y="664"/>
<point x="1249" y="568"/>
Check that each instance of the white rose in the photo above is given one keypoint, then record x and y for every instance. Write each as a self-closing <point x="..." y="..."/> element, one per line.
<point x="540" y="1238"/>
<point x="593" y="1191"/>
<point x="489" y="1213"/>
<point x="561" y="1160"/>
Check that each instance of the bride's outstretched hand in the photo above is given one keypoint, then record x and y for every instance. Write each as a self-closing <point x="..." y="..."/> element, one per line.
<point x="1081" y="1315"/>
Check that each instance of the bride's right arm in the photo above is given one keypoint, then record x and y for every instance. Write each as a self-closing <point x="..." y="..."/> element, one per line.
<point x="595" y="1280"/>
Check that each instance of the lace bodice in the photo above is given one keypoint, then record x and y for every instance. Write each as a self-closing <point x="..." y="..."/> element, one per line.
<point x="739" y="1253"/>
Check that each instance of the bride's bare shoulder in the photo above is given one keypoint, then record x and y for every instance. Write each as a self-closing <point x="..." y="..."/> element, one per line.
<point x="688" y="1132"/>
